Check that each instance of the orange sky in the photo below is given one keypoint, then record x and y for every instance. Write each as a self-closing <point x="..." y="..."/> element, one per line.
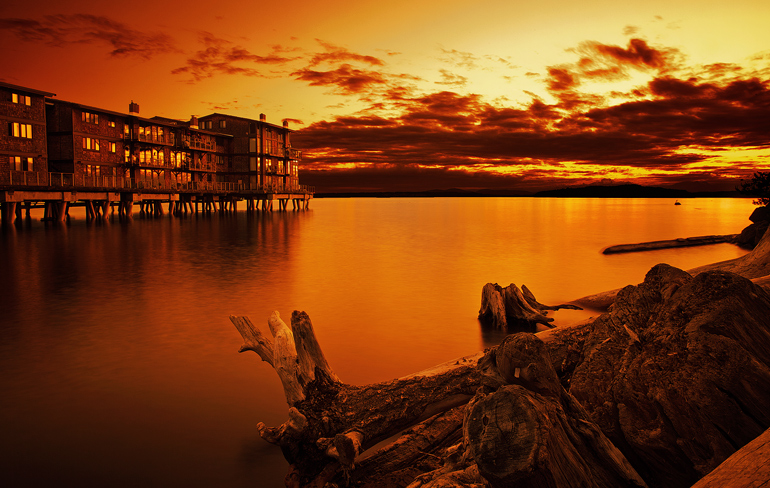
<point x="416" y="95"/>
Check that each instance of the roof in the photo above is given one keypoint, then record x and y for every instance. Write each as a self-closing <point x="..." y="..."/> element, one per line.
<point x="217" y="114"/>
<point x="27" y="90"/>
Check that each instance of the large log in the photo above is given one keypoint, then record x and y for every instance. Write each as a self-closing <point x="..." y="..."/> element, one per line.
<point x="334" y="423"/>
<point x="510" y="307"/>
<point x="529" y="431"/>
<point x="668" y="244"/>
<point x="677" y="374"/>
<point x="747" y="468"/>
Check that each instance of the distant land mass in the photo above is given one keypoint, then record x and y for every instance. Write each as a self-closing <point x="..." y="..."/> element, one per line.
<point x="610" y="191"/>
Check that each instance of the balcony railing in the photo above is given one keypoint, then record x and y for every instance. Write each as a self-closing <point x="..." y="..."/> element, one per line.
<point x="116" y="182"/>
<point x="27" y="178"/>
<point x="71" y="181"/>
<point x="210" y="167"/>
<point x="61" y="180"/>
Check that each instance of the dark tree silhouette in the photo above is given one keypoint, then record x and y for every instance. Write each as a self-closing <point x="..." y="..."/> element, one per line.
<point x="757" y="186"/>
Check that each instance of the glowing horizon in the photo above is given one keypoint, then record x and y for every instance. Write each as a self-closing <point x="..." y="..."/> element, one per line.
<point x="409" y="96"/>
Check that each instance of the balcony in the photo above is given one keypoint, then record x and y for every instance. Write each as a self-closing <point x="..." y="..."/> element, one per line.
<point x="26" y="178"/>
<point x="207" y="167"/>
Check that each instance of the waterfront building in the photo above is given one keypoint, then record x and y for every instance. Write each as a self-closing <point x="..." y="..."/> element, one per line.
<point x="114" y="158"/>
<point x="262" y="155"/>
<point x="23" y="150"/>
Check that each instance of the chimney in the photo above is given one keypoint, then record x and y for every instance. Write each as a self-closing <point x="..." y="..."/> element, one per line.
<point x="286" y="123"/>
<point x="262" y="118"/>
<point x="193" y="122"/>
<point x="133" y="108"/>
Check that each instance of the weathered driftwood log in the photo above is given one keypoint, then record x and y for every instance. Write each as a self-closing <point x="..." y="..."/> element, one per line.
<point x="754" y="265"/>
<point x="509" y="307"/>
<point x="677" y="374"/>
<point x="668" y="244"/>
<point x="749" y="467"/>
<point x="529" y="432"/>
<point x="330" y="423"/>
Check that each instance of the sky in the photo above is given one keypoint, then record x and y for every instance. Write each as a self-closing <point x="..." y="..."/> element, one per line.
<point x="419" y="95"/>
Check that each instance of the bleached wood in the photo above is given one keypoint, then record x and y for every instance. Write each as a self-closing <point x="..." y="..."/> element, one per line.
<point x="253" y="339"/>
<point x="285" y="359"/>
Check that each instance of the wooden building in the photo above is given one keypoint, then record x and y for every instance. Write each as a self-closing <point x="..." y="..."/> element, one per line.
<point x="23" y="151"/>
<point x="262" y="156"/>
<point x="114" y="158"/>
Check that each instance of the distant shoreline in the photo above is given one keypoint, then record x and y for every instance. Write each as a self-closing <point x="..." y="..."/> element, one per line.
<point x="615" y="191"/>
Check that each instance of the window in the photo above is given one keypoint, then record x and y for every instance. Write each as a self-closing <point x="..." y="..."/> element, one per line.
<point x="222" y="124"/>
<point x="23" y="99"/>
<point x="111" y="123"/>
<point x="21" y="164"/>
<point x="127" y="155"/>
<point x="17" y="129"/>
<point x="90" y="144"/>
<point x="113" y="147"/>
<point x="90" y="117"/>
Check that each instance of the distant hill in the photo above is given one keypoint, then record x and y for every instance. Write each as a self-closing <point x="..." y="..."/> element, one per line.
<point x="612" y="191"/>
<point x="631" y="191"/>
<point x="452" y="192"/>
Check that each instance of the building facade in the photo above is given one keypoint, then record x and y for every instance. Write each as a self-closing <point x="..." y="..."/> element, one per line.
<point x="262" y="155"/>
<point x="23" y="149"/>
<point x="47" y="141"/>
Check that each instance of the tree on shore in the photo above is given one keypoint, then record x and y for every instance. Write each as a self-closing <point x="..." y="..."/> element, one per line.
<point x="757" y="186"/>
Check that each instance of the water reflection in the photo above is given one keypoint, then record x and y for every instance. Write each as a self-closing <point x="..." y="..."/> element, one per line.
<point x="119" y="366"/>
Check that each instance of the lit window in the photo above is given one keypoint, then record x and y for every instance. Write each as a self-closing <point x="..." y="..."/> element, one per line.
<point x="222" y="124"/>
<point x="113" y="147"/>
<point x="21" y="164"/>
<point x="111" y="123"/>
<point x="90" y="144"/>
<point x="23" y="99"/>
<point x="16" y="129"/>
<point x="90" y="117"/>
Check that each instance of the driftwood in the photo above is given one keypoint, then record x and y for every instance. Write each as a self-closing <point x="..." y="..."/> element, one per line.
<point x="669" y="244"/>
<point x="511" y="307"/>
<point x="755" y="266"/>
<point x="677" y="374"/>
<point x="332" y="424"/>
<point x="747" y="468"/>
<point x="661" y="389"/>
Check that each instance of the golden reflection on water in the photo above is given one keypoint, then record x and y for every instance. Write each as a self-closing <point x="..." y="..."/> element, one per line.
<point x="119" y="366"/>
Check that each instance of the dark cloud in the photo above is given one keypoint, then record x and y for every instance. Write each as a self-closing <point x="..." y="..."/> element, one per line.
<point x="637" y="54"/>
<point x="667" y="129"/>
<point x="335" y="54"/>
<point x="348" y="73"/>
<point x="220" y="56"/>
<point x="345" y="79"/>
<point x="561" y="79"/>
<point x="61" y="30"/>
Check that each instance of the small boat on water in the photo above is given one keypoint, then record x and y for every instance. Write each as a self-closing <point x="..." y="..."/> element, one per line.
<point x="677" y="203"/>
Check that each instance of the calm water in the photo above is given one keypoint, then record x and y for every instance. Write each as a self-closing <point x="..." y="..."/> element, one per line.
<point x="119" y="366"/>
